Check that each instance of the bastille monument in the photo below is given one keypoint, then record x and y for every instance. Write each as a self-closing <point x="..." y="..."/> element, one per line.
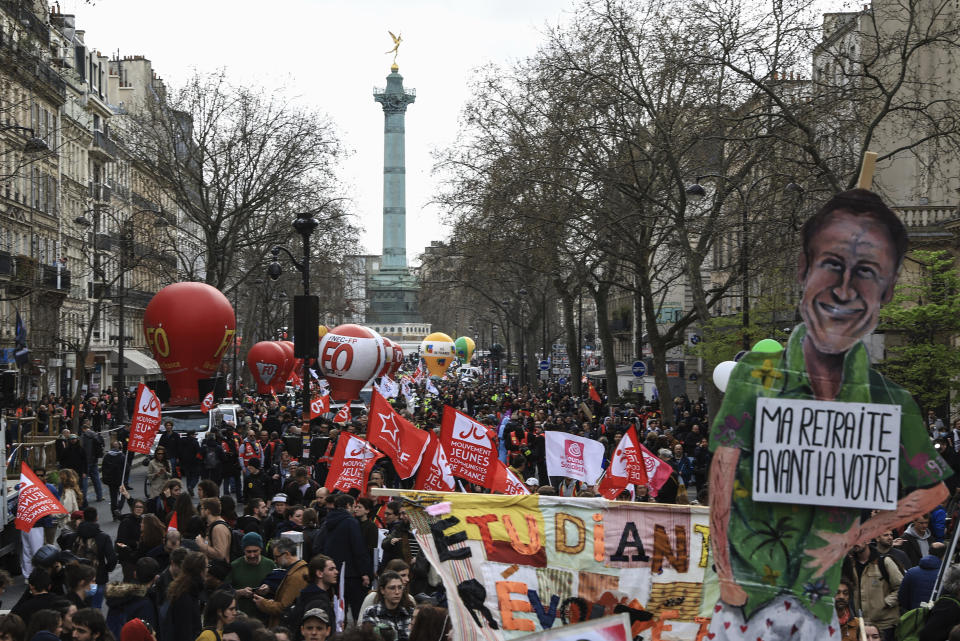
<point x="392" y="291"/>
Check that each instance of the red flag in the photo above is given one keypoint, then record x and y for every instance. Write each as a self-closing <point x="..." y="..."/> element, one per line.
<point x="35" y="500"/>
<point x="419" y="373"/>
<point x="506" y="482"/>
<point x="207" y="403"/>
<point x="146" y="421"/>
<point x="469" y="447"/>
<point x="657" y="470"/>
<point x="435" y="473"/>
<point x="395" y="436"/>
<point x="626" y="467"/>
<point x="594" y="396"/>
<point x="351" y="464"/>
<point x="173" y="525"/>
<point x="343" y="416"/>
<point x="319" y="406"/>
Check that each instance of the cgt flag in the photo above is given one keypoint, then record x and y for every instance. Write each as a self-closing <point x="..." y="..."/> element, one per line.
<point x="35" y="500"/>
<point x="351" y="464"/>
<point x="319" y="406"/>
<point x="626" y="467"/>
<point x="207" y="403"/>
<point x="434" y="473"/>
<point x="343" y="416"/>
<point x="470" y="448"/>
<point x="573" y="456"/>
<point x="146" y="421"/>
<point x="395" y="436"/>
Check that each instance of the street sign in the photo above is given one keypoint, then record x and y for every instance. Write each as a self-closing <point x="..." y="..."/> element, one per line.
<point x="639" y="368"/>
<point x="544" y="375"/>
<point x="544" y="366"/>
<point x="694" y="339"/>
<point x="562" y="381"/>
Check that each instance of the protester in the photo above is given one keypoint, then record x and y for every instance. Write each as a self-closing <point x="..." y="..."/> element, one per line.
<point x="294" y="580"/>
<point x="126" y="601"/>
<point x="343" y="542"/>
<point x="431" y="623"/>
<point x="179" y="616"/>
<point x="919" y="581"/>
<point x="248" y="573"/>
<point x="388" y="608"/>
<point x="220" y="612"/>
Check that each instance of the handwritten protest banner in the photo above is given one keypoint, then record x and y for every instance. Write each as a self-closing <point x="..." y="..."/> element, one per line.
<point x="826" y="453"/>
<point x="516" y="565"/>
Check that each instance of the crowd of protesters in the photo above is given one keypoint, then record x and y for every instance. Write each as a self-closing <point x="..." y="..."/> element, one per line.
<point x="205" y="548"/>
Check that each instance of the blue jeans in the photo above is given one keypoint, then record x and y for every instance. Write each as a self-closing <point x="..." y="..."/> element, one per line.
<point x="93" y="472"/>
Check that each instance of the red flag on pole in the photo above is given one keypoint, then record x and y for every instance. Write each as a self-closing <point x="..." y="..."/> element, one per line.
<point x="594" y="395"/>
<point x="207" y="403"/>
<point x="343" y="416"/>
<point x="434" y="473"/>
<point x="146" y="421"/>
<point x="395" y="436"/>
<point x="351" y="464"/>
<point x="35" y="500"/>
<point x="626" y="467"/>
<point x="657" y="470"/>
<point x="506" y="482"/>
<point x="470" y="449"/>
<point x="319" y="406"/>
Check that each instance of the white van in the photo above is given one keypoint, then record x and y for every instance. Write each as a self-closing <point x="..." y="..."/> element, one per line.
<point x="190" y="420"/>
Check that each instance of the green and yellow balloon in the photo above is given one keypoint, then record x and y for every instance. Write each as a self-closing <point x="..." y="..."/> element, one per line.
<point x="465" y="347"/>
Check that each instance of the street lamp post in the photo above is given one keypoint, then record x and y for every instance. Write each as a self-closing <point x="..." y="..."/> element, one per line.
<point x="304" y="348"/>
<point x="696" y="192"/>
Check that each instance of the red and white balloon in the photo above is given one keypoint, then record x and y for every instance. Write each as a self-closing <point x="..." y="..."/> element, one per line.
<point x="350" y="356"/>
<point x="265" y="360"/>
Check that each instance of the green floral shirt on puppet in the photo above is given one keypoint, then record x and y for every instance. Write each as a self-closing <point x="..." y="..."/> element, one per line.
<point x="768" y="540"/>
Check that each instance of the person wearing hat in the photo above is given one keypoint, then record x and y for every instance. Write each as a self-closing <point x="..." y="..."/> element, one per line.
<point x="532" y="484"/>
<point x="137" y="630"/>
<point x="254" y="481"/>
<point x="316" y="625"/>
<point x="248" y="572"/>
<point x="278" y="514"/>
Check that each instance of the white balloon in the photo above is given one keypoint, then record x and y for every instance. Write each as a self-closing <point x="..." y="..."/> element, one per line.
<point x="721" y="374"/>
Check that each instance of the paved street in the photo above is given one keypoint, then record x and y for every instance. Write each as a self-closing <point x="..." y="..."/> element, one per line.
<point x="107" y="524"/>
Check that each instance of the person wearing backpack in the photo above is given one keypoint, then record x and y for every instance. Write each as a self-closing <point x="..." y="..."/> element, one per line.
<point x="945" y="612"/>
<point x="92" y="444"/>
<point x="217" y="543"/>
<point x="111" y="471"/>
<point x="96" y="546"/>
<point x="878" y="578"/>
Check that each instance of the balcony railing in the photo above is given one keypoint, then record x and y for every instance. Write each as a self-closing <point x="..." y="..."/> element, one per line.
<point x="101" y="141"/>
<point x="926" y="215"/>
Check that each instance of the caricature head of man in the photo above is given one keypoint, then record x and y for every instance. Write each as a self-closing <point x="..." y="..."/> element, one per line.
<point x="852" y="251"/>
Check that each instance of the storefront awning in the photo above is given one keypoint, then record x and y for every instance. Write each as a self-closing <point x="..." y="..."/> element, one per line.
<point x="135" y="363"/>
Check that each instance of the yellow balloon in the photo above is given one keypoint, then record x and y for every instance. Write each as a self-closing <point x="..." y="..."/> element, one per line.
<point x="322" y="331"/>
<point x="437" y="351"/>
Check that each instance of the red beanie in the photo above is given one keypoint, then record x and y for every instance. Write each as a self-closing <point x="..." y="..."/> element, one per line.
<point x="135" y="630"/>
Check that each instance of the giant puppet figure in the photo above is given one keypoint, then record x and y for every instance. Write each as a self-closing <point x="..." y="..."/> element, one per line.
<point x="779" y="559"/>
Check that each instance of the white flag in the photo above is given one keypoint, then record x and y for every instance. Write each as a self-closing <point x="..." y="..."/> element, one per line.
<point x="387" y="388"/>
<point x="574" y="457"/>
<point x="432" y="389"/>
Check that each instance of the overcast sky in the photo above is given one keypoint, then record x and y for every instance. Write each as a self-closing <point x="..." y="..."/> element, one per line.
<point x="330" y="54"/>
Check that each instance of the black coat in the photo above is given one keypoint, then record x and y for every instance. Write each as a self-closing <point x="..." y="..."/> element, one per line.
<point x="343" y="542"/>
<point x="944" y="614"/>
<point x="74" y="458"/>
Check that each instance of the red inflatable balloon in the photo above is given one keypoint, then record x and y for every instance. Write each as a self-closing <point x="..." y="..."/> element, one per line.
<point x="350" y="356"/>
<point x="288" y="362"/>
<point x="189" y="327"/>
<point x="388" y="359"/>
<point x="397" y="361"/>
<point x="265" y="361"/>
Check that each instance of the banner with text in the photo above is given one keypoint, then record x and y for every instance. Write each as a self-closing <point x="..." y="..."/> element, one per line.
<point x="826" y="453"/>
<point x="516" y="565"/>
<point x="145" y="422"/>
